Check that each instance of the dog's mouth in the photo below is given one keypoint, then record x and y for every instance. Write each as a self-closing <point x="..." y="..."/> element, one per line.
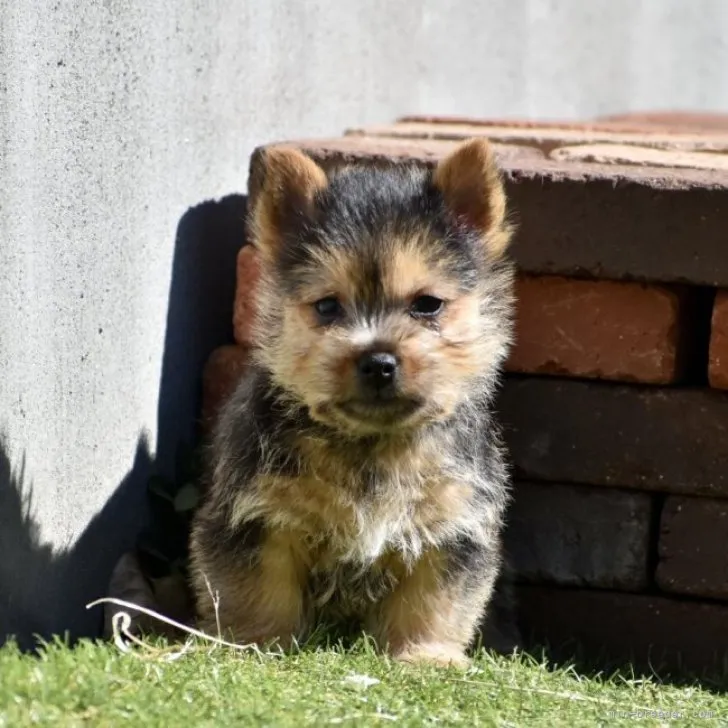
<point x="380" y="411"/>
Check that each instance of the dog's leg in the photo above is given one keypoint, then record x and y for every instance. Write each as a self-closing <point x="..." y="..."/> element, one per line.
<point x="259" y="594"/>
<point x="433" y="613"/>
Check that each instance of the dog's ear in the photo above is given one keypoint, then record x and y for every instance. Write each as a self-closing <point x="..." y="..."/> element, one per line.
<point x="289" y="181"/>
<point x="471" y="185"/>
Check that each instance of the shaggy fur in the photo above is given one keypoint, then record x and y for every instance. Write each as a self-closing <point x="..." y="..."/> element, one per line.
<point x="357" y="472"/>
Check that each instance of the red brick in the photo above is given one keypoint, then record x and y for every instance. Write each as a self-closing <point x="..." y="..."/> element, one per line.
<point x="248" y="273"/>
<point x="602" y="329"/>
<point x="647" y="122"/>
<point x="693" y="547"/>
<point x="579" y="536"/>
<point x="619" y="222"/>
<point x="222" y="372"/>
<point x="637" y="155"/>
<point x="663" y="439"/>
<point x="546" y="136"/>
<point x="332" y="153"/>
<point x="671" y="120"/>
<point x="718" y="361"/>
<point x="583" y="220"/>
<point x="648" y="631"/>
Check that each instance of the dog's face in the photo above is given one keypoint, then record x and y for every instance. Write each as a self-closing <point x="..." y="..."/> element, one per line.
<point x="385" y="299"/>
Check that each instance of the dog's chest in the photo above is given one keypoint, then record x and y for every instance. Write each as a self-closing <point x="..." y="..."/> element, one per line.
<point x="356" y="538"/>
<point x="348" y="589"/>
<point x="357" y="521"/>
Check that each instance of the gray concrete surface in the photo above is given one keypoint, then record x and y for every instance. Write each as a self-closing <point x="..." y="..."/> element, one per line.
<point x="125" y="129"/>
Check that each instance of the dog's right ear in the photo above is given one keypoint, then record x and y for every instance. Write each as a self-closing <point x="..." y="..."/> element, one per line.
<point x="285" y="198"/>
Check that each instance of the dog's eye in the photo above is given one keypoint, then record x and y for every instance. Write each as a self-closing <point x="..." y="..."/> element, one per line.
<point x="426" y="306"/>
<point x="328" y="309"/>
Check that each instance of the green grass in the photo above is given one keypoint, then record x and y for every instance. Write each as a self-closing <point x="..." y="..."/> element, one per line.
<point x="96" y="684"/>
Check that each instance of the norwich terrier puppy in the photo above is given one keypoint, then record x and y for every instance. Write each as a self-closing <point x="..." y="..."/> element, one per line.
<point x="356" y="472"/>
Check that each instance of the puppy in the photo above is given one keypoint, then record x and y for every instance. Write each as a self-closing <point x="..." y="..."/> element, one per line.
<point x="356" y="472"/>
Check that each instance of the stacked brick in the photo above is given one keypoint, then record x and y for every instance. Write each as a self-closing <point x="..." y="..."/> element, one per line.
<point x="614" y="409"/>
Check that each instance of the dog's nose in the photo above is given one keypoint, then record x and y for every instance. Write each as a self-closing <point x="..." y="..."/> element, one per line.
<point x="377" y="371"/>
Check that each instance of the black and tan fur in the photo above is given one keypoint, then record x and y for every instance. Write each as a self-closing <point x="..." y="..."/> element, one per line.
<point x="328" y="503"/>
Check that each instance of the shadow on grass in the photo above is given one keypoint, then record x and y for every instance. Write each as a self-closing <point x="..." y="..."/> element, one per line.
<point x="44" y="589"/>
<point x="657" y="665"/>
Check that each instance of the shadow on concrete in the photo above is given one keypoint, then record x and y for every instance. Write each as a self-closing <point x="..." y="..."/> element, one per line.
<point x="43" y="591"/>
<point x="199" y="316"/>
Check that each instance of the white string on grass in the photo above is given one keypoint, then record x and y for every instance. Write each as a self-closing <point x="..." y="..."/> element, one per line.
<point x="121" y="624"/>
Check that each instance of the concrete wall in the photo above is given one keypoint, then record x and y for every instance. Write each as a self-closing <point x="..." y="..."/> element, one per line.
<point x="125" y="129"/>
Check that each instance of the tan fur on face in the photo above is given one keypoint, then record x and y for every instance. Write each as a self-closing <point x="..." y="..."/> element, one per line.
<point x="411" y="269"/>
<point x="317" y="364"/>
<point x="438" y="364"/>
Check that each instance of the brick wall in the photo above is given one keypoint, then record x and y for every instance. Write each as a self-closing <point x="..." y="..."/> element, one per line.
<point x="613" y="406"/>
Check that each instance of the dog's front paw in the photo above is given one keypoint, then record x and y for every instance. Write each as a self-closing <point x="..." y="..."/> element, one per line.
<point x="439" y="654"/>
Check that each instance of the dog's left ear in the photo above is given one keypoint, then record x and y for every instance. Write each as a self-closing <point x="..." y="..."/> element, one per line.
<point x="471" y="184"/>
